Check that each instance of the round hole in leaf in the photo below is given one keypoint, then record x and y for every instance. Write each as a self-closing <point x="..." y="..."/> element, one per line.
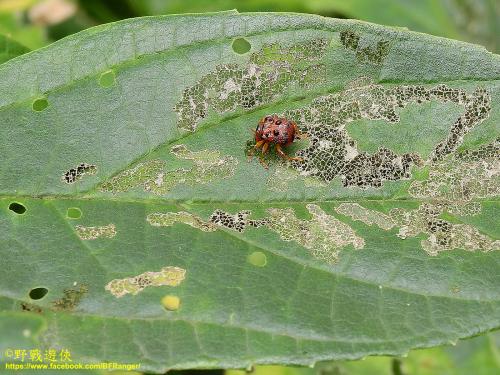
<point x="73" y="213"/>
<point x="40" y="104"/>
<point x="257" y="258"/>
<point x="107" y="79"/>
<point x="17" y="207"/>
<point x="241" y="46"/>
<point x="38" y="293"/>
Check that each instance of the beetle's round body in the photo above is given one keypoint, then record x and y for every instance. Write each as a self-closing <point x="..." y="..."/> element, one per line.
<point x="277" y="131"/>
<point x="274" y="129"/>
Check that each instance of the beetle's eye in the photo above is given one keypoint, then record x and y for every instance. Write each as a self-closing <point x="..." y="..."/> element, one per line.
<point x="268" y="118"/>
<point x="278" y="122"/>
<point x="276" y="133"/>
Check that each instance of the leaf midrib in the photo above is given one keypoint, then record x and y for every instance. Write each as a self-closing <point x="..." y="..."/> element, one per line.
<point x="281" y="201"/>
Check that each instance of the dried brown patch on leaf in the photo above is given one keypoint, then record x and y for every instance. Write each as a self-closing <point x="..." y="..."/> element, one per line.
<point x="29" y="307"/>
<point x="170" y="276"/>
<point x="71" y="298"/>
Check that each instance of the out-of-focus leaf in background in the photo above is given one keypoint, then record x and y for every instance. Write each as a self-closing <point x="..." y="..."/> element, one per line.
<point x="36" y="23"/>
<point x="476" y="21"/>
<point x="10" y="48"/>
<point x="14" y="24"/>
<point x="475" y="356"/>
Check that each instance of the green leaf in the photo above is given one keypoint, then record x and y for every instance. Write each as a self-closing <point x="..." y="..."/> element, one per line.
<point x="126" y="193"/>
<point x="478" y="355"/>
<point x="10" y="49"/>
<point x="472" y="21"/>
<point x="16" y="27"/>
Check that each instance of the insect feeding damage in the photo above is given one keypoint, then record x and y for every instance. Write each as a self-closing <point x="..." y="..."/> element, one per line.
<point x="332" y="152"/>
<point x="357" y="212"/>
<point x="324" y="235"/>
<point x="76" y="173"/>
<point x="457" y="180"/>
<point x="170" y="276"/>
<point x="454" y="185"/>
<point x="134" y="177"/>
<point x="442" y="235"/>
<point x="268" y="76"/>
<point x="208" y="165"/>
<point x="30" y="307"/>
<point x="237" y="222"/>
<point x="71" y="298"/>
<point x="154" y="176"/>
<point x="365" y="51"/>
<point x="169" y="218"/>
<point x="91" y="233"/>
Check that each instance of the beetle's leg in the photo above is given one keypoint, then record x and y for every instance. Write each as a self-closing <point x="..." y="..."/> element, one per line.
<point x="303" y="135"/>
<point x="263" y="162"/>
<point x="265" y="147"/>
<point x="259" y="144"/>
<point x="255" y="147"/>
<point x="298" y="133"/>
<point x="285" y="156"/>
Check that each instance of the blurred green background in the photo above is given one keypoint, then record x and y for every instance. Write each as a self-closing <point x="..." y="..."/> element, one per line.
<point x="36" y="23"/>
